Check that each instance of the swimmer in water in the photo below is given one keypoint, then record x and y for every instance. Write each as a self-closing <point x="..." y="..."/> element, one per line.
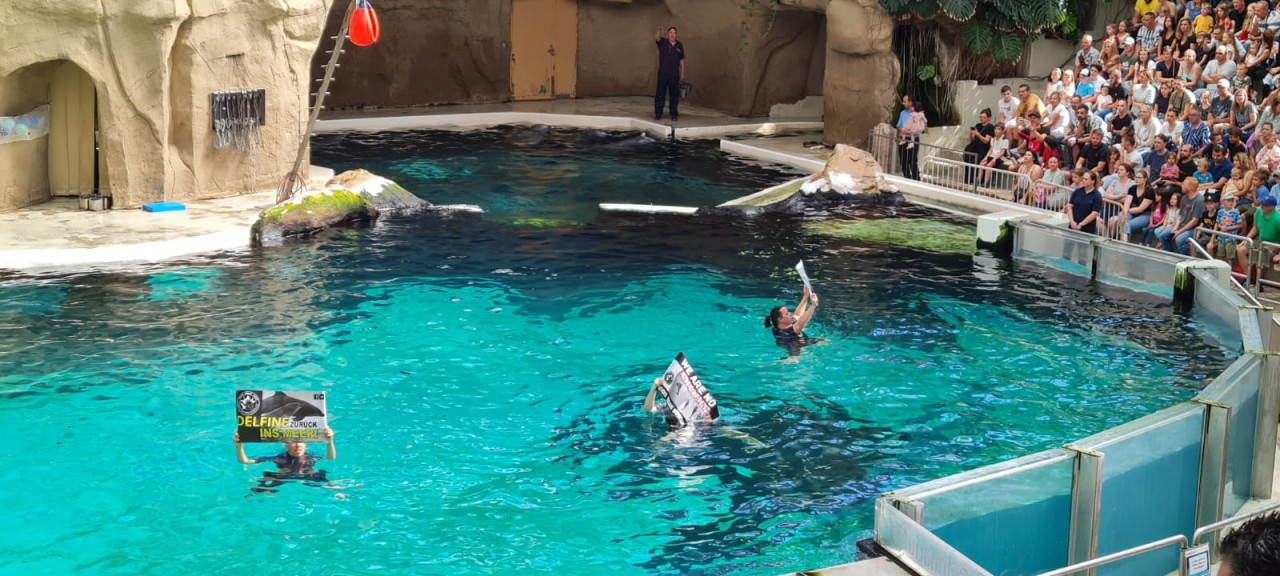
<point x="788" y="328"/>
<point x="292" y="464"/>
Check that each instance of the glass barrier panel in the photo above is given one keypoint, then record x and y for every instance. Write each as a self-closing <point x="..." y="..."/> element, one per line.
<point x="1217" y="308"/>
<point x="1238" y="388"/>
<point x="918" y="548"/>
<point x="1011" y="521"/>
<point x="1137" y="268"/>
<point x="1151" y="475"/>
<point x="1051" y="246"/>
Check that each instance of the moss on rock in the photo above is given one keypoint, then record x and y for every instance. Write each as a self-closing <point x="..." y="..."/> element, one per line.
<point x="926" y="234"/>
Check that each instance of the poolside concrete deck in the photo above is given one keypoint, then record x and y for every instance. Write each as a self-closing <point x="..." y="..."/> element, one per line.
<point x="57" y="235"/>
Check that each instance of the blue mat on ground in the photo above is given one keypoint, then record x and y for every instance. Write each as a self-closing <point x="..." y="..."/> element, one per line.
<point x="163" y="207"/>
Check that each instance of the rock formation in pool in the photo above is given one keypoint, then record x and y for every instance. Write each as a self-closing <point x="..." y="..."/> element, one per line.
<point x="352" y="197"/>
<point x="852" y="177"/>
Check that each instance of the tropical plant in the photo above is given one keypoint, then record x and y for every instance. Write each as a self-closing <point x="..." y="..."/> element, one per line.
<point x="1000" y="27"/>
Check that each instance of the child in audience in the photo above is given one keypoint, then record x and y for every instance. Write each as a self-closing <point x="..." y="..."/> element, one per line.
<point x="1169" y="171"/>
<point x="999" y="145"/>
<point x="1202" y="174"/>
<point x="1170" y="221"/>
<point x="1231" y="222"/>
<point x="1157" y="217"/>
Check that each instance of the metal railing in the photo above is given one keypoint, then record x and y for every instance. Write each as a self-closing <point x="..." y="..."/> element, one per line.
<point x="884" y="148"/>
<point x="975" y="179"/>
<point x="1260" y="266"/>
<point x="1162" y="543"/>
<point x="1121" y="555"/>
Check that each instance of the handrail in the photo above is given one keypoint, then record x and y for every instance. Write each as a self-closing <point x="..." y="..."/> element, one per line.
<point x="884" y="148"/>
<point x="975" y="179"/>
<point x="1121" y="555"/>
<point x="1207" y="528"/>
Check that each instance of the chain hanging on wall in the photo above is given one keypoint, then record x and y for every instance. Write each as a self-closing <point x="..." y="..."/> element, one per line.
<point x="237" y="114"/>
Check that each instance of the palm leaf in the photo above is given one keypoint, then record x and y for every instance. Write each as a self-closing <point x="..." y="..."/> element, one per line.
<point x="976" y="34"/>
<point x="1007" y="47"/>
<point x="958" y="10"/>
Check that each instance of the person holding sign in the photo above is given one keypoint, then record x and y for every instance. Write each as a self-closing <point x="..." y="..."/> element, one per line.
<point x="687" y="399"/>
<point x="788" y="328"/>
<point x="294" y="462"/>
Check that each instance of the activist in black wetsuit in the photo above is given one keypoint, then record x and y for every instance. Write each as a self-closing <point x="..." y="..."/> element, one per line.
<point x="292" y="464"/>
<point x="788" y="328"/>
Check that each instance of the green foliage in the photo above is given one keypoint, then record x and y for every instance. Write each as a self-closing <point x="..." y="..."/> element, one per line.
<point x="1000" y="27"/>
<point x="977" y="36"/>
<point x="1007" y="47"/>
<point x="750" y="9"/>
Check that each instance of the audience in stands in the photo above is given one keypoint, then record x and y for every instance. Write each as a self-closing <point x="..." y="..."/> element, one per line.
<point x="1160" y="132"/>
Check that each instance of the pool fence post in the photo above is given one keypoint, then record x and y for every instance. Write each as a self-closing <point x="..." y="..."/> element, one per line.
<point x="1086" y="506"/>
<point x="995" y="231"/>
<point x="1184" y="281"/>
<point x="1264" y="442"/>
<point x="1213" y="461"/>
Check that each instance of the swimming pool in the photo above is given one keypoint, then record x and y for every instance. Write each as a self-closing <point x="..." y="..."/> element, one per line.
<point x="485" y="377"/>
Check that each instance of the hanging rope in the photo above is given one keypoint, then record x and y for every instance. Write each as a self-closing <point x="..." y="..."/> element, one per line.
<point x="295" y="182"/>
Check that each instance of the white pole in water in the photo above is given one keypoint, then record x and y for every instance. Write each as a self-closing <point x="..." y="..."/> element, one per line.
<point x="294" y="181"/>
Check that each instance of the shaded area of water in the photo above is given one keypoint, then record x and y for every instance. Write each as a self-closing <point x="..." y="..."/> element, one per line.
<point x="485" y="382"/>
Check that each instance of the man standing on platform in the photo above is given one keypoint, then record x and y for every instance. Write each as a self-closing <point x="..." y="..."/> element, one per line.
<point x="670" y="73"/>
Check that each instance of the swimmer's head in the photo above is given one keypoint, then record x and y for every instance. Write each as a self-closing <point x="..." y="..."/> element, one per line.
<point x="296" y="449"/>
<point x="779" y="313"/>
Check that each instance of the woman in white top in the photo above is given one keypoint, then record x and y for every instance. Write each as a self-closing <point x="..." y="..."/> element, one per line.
<point x="1143" y="92"/>
<point x="1171" y="128"/>
<point x="1118" y="190"/>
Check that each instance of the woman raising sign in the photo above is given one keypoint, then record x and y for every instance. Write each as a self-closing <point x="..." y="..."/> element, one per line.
<point x="788" y="328"/>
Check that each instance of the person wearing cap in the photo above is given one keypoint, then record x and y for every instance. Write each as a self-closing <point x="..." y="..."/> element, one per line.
<point x="1222" y="67"/>
<point x="1220" y="106"/>
<point x="1229" y="221"/>
<point x="1266" y="228"/>
<point x="1190" y="214"/>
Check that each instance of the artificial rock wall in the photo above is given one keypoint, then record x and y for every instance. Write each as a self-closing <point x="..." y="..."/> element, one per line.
<point x="861" y="74"/>
<point x="154" y="63"/>
<point x="449" y="52"/>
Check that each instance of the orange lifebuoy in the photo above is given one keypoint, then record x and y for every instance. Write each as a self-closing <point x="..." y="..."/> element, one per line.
<point x="364" y="29"/>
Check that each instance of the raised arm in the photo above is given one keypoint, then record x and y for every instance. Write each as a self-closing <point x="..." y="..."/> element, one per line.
<point x="653" y="392"/>
<point x="240" y="450"/>
<point x="657" y="36"/>
<point x="804" y="301"/>
<point x="332" y="452"/>
<point x="802" y="320"/>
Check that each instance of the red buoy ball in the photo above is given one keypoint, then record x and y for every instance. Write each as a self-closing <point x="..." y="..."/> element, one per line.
<point x="364" y="29"/>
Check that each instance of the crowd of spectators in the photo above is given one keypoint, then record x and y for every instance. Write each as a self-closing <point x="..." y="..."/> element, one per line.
<point x="1171" y="116"/>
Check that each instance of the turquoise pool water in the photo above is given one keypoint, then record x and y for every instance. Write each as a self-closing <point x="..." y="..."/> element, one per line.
<point x="485" y="379"/>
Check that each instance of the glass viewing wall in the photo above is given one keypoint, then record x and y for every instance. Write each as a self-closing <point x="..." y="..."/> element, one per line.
<point x="1163" y="475"/>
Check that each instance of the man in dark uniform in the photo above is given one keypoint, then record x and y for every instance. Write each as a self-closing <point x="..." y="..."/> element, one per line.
<point x="670" y="73"/>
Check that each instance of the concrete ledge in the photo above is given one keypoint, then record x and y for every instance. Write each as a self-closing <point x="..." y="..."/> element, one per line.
<point x="761" y="128"/>
<point x="758" y="153"/>
<point x="487" y="119"/>
<point x="143" y="252"/>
